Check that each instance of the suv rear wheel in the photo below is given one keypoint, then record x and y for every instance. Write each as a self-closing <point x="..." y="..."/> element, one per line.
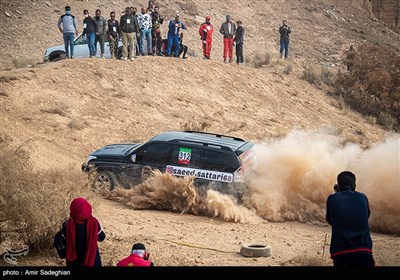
<point x="104" y="180"/>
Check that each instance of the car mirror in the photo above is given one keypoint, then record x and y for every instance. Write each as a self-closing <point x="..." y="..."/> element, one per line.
<point x="133" y="158"/>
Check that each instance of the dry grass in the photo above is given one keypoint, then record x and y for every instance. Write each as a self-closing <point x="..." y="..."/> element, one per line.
<point x="260" y="60"/>
<point x="7" y="79"/>
<point x="288" y="69"/>
<point x="195" y="125"/>
<point x="21" y="62"/>
<point x="33" y="204"/>
<point x="312" y="75"/>
<point x="372" y="87"/>
<point x="57" y="109"/>
<point x="77" y="124"/>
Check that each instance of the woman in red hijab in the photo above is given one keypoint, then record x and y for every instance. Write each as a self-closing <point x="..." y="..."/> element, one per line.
<point x="82" y="231"/>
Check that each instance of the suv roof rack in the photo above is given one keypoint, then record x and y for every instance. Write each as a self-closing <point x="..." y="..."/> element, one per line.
<point x="202" y="144"/>
<point x="216" y="135"/>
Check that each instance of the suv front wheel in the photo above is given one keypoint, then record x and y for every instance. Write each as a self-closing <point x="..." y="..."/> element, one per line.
<point x="104" y="180"/>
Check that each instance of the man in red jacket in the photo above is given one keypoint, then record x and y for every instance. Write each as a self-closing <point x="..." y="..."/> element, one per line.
<point x="138" y="257"/>
<point x="206" y="30"/>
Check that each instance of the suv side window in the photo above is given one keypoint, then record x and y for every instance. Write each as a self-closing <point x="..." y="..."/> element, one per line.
<point x="185" y="156"/>
<point x="212" y="160"/>
<point x="155" y="154"/>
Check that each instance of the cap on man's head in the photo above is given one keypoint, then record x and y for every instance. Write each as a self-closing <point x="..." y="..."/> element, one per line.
<point x="228" y="17"/>
<point x="138" y="246"/>
<point x="208" y="17"/>
<point x="67" y="8"/>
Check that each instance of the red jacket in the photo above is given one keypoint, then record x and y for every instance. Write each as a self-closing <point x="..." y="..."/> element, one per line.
<point x="206" y="30"/>
<point x="134" y="260"/>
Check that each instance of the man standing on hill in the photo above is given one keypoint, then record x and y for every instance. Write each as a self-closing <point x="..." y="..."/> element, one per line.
<point x="347" y="211"/>
<point x="145" y="26"/>
<point x="89" y="28"/>
<point x="284" y="32"/>
<point x="69" y="27"/>
<point x="206" y="30"/>
<point x="239" y="38"/>
<point x="129" y="32"/>
<point x="100" y="32"/>
<point x="112" y="32"/>
<point x="174" y="27"/>
<point x="156" y="20"/>
<point x="228" y="29"/>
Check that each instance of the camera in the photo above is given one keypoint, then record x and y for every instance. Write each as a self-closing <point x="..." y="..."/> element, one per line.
<point x="336" y="188"/>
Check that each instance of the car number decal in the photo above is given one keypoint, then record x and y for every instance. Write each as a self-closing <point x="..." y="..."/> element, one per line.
<point x="184" y="156"/>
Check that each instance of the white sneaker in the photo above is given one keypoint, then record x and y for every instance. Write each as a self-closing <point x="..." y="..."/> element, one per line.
<point x="132" y="58"/>
<point x="102" y="56"/>
<point x="124" y="58"/>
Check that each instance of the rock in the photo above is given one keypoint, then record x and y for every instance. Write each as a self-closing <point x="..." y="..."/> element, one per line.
<point x="18" y="12"/>
<point x="7" y="14"/>
<point x="48" y="4"/>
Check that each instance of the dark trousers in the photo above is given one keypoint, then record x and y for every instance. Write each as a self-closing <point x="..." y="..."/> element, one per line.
<point x="354" y="259"/>
<point x="99" y="38"/>
<point x="183" y="49"/>
<point x="239" y="53"/>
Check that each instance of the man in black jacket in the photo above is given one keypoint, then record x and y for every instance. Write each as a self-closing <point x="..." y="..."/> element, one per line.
<point x="239" y="38"/>
<point x="347" y="211"/>
<point x="89" y="28"/>
<point x="129" y="32"/>
<point x="284" y="32"/>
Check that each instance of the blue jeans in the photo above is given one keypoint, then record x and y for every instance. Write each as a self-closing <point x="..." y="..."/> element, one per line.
<point x="173" y="40"/>
<point x="284" y="46"/>
<point x="69" y="41"/>
<point x="145" y="34"/>
<point x="90" y="40"/>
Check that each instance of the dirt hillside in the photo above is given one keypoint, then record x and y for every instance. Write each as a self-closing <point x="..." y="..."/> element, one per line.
<point x="62" y="111"/>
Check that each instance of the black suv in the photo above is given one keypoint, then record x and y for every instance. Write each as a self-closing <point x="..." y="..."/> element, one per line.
<point x="217" y="161"/>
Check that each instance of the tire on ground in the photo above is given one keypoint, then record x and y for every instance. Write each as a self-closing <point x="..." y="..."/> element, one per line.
<point x="104" y="180"/>
<point x="255" y="250"/>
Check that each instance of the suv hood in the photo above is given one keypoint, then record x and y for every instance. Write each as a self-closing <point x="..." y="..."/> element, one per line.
<point x="116" y="150"/>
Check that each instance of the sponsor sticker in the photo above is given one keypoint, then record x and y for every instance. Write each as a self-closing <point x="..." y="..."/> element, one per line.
<point x="200" y="173"/>
<point x="184" y="156"/>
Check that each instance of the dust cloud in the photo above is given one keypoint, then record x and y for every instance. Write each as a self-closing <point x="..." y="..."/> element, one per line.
<point x="296" y="174"/>
<point x="165" y="192"/>
<point x="292" y="181"/>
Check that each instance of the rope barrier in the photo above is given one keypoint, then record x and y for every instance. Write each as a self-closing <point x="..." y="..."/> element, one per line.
<point x="197" y="246"/>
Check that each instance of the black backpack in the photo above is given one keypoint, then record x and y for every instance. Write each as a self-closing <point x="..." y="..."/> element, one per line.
<point x="60" y="243"/>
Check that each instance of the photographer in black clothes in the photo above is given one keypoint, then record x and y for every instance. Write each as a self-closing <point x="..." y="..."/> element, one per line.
<point x="347" y="211"/>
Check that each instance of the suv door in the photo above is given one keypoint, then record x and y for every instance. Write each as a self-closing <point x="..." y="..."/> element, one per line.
<point x="149" y="157"/>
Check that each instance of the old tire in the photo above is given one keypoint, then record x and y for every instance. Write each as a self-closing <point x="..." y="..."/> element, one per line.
<point x="104" y="180"/>
<point x="255" y="250"/>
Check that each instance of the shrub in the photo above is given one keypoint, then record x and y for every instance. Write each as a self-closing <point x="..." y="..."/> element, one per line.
<point x="195" y="125"/>
<point x="311" y="74"/>
<point x="33" y="203"/>
<point x="288" y="69"/>
<point x="261" y="59"/>
<point x="189" y="7"/>
<point x="372" y="87"/>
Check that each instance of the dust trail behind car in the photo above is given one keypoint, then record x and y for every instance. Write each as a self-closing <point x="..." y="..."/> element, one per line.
<point x="293" y="179"/>
<point x="296" y="174"/>
<point x="165" y="192"/>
